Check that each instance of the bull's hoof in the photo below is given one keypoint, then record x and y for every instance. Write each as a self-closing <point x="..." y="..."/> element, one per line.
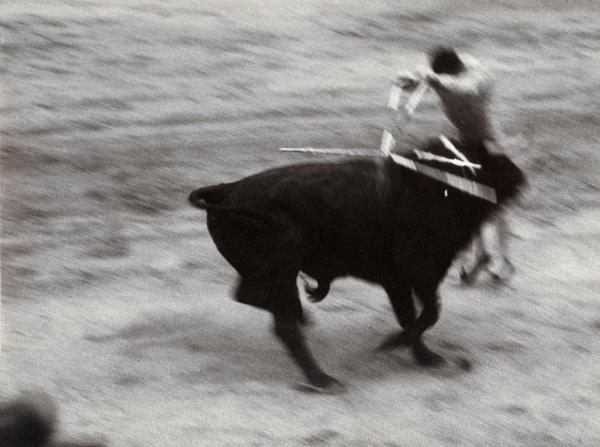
<point x="394" y="341"/>
<point x="316" y="294"/>
<point x="314" y="299"/>
<point x="428" y="358"/>
<point x="323" y="384"/>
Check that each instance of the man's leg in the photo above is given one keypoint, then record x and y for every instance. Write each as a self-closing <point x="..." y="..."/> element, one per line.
<point x="494" y="242"/>
<point x="477" y="259"/>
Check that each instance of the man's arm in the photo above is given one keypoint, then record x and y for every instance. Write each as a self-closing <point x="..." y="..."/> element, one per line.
<point x="475" y="81"/>
<point x="408" y="80"/>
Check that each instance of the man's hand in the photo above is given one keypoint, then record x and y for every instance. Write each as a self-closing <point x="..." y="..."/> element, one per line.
<point x="406" y="81"/>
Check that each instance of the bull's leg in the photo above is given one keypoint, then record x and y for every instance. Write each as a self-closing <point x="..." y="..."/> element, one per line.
<point x="287" y="311"/>
<point x="429" y="316"/>
<point x="404" y="309"/>
<point x="290" y="334"/>
<point x="279" y="295"/>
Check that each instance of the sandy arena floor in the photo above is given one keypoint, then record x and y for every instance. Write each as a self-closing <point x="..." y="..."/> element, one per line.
<point x="116" y="302"/>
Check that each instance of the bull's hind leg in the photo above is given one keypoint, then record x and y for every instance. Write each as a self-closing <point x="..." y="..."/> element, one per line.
<point x="280" y="297"/>
<point x="288" y="330"/>
<point x="292" y="337"/>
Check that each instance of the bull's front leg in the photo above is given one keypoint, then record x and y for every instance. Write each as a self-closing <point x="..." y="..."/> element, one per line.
<point x="429" y="316"/>
<point x="289" y="332"/>
<point x="404" y="309"/>
<point x="403" y="305"/>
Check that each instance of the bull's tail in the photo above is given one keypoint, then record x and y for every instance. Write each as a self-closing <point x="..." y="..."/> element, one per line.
<point x="210" y="195"/>
<point x="210" y="198"/>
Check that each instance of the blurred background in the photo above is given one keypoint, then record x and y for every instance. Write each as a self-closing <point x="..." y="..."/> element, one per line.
<point x="115" y="301"/>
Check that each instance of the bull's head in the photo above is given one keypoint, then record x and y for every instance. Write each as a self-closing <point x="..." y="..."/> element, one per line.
<point x="504" y="176"/>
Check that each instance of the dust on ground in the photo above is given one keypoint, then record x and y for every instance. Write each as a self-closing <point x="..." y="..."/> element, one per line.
<point x="115" y="301"/>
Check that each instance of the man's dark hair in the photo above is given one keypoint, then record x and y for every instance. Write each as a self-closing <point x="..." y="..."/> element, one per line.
<point x="444" y="60"/>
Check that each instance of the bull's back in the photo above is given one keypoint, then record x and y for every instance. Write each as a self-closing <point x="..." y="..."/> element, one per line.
<point x="339" y="214"/>
<point x="324" y="189"/>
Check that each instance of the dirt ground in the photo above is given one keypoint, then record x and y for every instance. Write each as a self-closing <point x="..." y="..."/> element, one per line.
<point x="116" y="302"/>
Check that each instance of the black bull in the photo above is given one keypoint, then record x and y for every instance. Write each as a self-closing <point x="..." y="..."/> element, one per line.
<point x="367" y="218"/>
